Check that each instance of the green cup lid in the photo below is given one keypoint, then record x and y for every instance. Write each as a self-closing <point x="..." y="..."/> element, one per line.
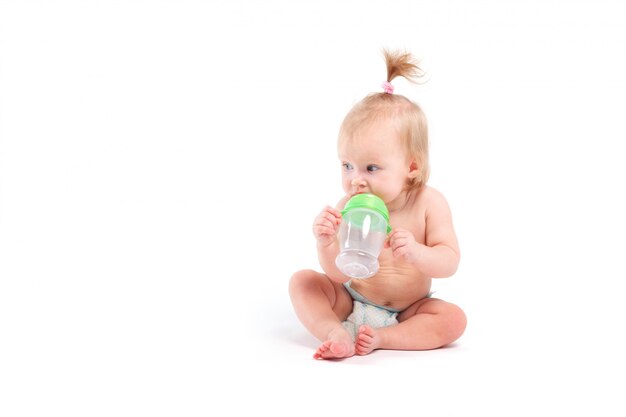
<point x="368" y="201"/>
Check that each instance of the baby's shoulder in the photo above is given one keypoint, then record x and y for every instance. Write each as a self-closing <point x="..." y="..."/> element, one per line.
<point x="428" y="195"/>
<point x="430" y="200"/>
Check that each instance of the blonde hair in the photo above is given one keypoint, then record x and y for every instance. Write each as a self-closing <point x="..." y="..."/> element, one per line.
<point x="408" y="118"/>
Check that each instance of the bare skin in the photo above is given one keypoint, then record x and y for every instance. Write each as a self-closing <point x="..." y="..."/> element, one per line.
<point x="338" y="344"/>
<point x="439" y="323"/>
<point x="421" y="246"/>
<point x="322" y="306"/>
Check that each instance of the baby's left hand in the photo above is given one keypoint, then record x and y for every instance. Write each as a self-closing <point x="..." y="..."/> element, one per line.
<point x="403" y="245"/>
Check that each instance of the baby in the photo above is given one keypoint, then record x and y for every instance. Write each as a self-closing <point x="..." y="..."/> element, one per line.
<point x="383" y="148"/>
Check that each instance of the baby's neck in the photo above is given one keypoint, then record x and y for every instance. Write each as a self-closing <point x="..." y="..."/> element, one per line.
<point x="400" y="202"/>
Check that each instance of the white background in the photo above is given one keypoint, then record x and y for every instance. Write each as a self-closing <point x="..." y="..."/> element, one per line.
<point x="162" y="163"/>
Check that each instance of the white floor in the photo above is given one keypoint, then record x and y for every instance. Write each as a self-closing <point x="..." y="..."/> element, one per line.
<point x="180" y="350"/>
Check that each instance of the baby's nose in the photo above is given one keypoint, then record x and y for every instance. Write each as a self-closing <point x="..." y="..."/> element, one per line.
<point x="357" y="182"/>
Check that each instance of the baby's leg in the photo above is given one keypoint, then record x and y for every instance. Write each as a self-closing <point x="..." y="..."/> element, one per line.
<point x="321" y="306"/>
<point x="427" y="324"/>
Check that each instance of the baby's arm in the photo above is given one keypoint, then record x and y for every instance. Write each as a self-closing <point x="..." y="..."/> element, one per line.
<point x="325" y="229"/>
<point x="327" y="255"/>
<point x="439" y="257"/>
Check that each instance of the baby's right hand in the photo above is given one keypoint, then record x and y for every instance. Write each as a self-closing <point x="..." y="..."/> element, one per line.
<point x="326" y="225"/>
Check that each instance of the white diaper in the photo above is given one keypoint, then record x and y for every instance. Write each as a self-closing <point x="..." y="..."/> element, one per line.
<point x="368" y="314"/>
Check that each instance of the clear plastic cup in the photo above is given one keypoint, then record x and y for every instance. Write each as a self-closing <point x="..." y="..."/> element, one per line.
<point x="362" y="234"/>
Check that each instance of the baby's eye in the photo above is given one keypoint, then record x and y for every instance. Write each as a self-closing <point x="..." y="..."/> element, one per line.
<point x="372" y="168"/>
<point x="347" y="166"/>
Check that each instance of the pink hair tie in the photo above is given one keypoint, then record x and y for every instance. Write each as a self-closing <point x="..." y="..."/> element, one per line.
<point x="387" y="87"/>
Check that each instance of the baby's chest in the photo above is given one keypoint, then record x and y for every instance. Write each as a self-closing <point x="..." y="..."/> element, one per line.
<point x="415" y="224"/>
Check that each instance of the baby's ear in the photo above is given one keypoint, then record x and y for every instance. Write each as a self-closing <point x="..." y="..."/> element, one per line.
<point x="413" y="169"/>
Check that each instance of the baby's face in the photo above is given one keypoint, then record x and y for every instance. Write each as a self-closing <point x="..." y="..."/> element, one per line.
<point x="375" y="162"/>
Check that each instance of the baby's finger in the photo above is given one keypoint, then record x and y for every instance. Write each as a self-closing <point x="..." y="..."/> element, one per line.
<point x="390" y="237"/>
<point x="395" y="233"/>
<point x="326" y="225"/>
<point x="324" y="230"/>
<point x="393" y="237"/>
<point x="326" y="215"/>
<point x="330" y="211"/>
<point x="394" y="246"/>
<point x="400" y="240"/>
<point x="334" y="211"/>
<point x="326" y="222"/>
<point x="399" y="251"/>
<point x="332" y="219"/>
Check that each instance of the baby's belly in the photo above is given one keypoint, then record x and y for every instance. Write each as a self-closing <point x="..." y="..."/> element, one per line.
<point x="394" y="285"/>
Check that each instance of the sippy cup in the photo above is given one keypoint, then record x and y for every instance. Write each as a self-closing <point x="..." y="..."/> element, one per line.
<point x="362" y="233"/>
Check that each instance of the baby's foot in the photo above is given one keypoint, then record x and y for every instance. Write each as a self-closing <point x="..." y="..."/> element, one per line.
<point x="338" y="345"/>
<point x="367" y="340"/>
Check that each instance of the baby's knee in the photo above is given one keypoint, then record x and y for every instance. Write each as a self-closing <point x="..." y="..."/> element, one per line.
<point x="302" y="278"/>
<point x="457" y="322"/>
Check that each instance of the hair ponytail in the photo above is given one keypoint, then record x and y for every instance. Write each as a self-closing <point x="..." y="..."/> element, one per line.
<point x="402" y="64"/>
